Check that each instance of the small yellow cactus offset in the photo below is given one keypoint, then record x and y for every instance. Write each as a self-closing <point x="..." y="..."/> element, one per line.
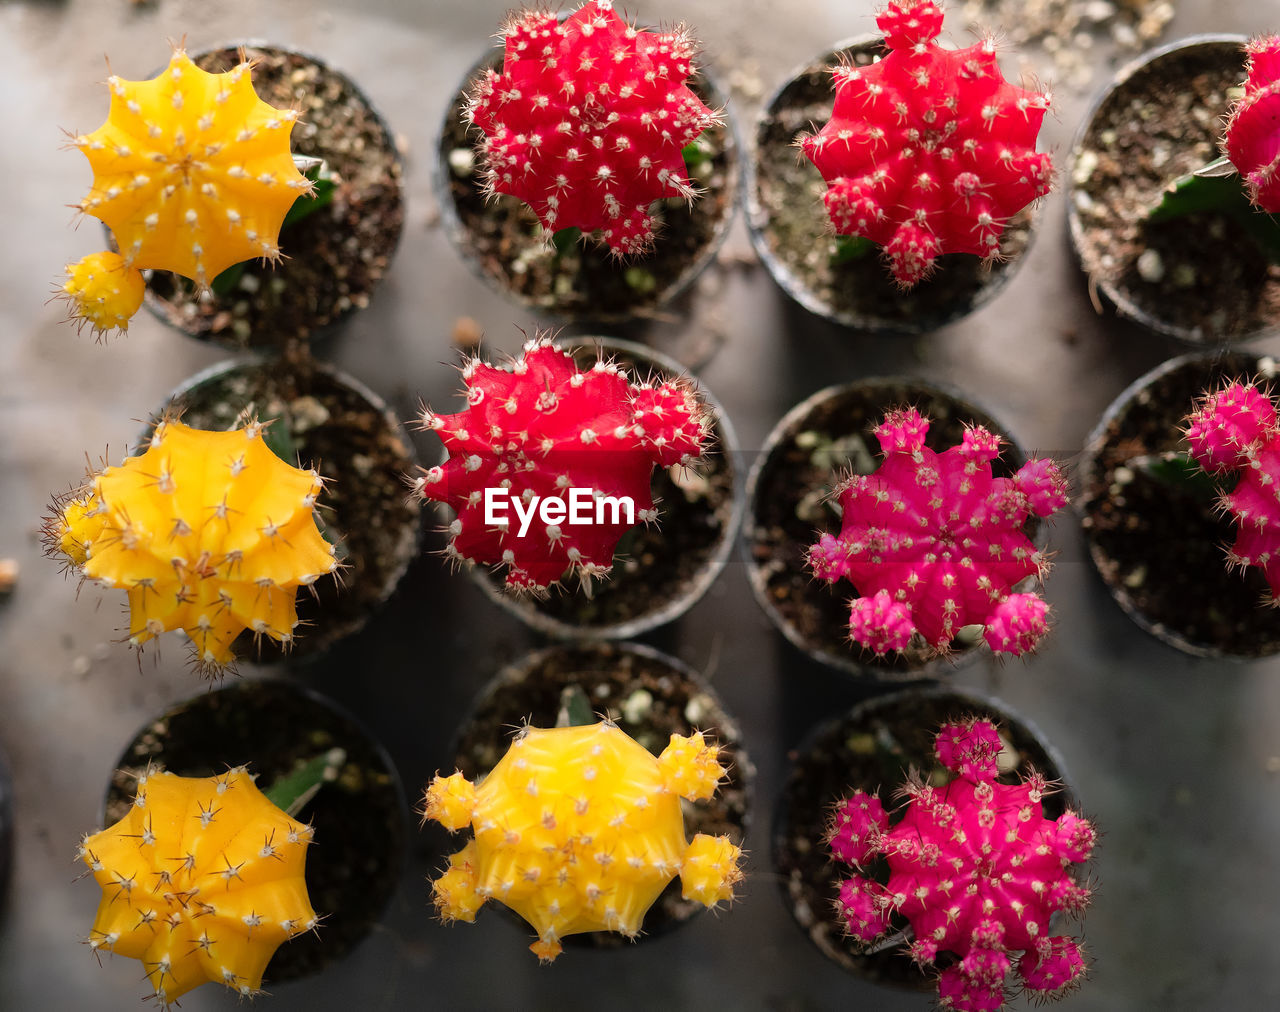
<point x="103" y="292"/>
<point x="192" y="173"/>
<point x="201" y="881"/>
<point x="580" y="829"/>
<point x="209" y="532"/>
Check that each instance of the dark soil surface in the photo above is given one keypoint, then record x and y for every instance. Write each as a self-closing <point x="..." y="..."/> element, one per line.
<point x="789" y="509"/>
<point x="365" y="509"/>
<point x="334" y="258"/>
<point x="793" y="224"/>
<point x="656" y="564"/>
<point x="650" y="698"/>
<point x="1160" y="545"/>
<point x="1201" y="276"/>
<point x="360" y="819"/>
<point x="503" y="240"/>
<point x="870" y="749"/>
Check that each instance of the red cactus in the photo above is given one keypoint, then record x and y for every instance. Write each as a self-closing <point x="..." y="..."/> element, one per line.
<point x="976" y="869"/>
<point x="1236" y="430"/>
<point x="929" y="150"/>
<point x="543" y="432"/>
<point x="933" y="542"/>
<point x="1252" y="139"/>
<point x="587" y="121"/>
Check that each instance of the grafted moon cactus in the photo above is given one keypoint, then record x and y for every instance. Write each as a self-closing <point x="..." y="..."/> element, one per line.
<point x="1234" y="432"/>
<point x="1252" y="139"/>
<point x="543" y="431"/>
<point x="587" y="121"/>
<point x="201" y="881"/>
<point x="929" y="150"/>
<point x="580" y="829"/>
<point x="191" y="173"/>
<point x="976" y="869"/>
<point x="209" y="532"/>
<point x="933" y="542"/>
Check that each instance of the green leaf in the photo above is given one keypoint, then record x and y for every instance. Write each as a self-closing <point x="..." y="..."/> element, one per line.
<point x="566" y="239"/>
<point x="292" y="791"/>
<point x="851" y="247"/>
<point x="696" y="158"/>
<point x="1179" y="473"/>
<point x="306" y="206"/>
<point x="1207" y="190"/>
<point x="575" y="708"/>
<point x="225" y="283"/>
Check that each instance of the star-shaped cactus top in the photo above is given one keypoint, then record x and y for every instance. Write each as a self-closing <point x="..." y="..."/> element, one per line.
<point x="933" y="542"/>
<point x="209" y="532"/>
<point x="192" y="171"/>
<point x="929" y="150"/>
<point x="202" y="881"/>
<point x="1252" y="138"/>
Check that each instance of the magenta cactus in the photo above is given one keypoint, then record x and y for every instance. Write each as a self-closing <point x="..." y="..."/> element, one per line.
<point x="587" y="121"/>
<point x="933" y="542"/>
<point x="975" y="868"/>
<point x="1252" y="139"/>
<point x="929" y="150"/>
<point x="1235" y="431"/>
<point x="550" y="465"/>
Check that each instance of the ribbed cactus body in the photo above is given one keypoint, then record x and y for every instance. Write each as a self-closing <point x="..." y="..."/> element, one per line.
<point x="929" y="150"/>
<point x="1252" y="138"/>
<point x="580" y="829"/>
<point x="587" y="121"/>
<point x="542" y="428"/>
<point x="933" y="542"/>
<point x="202" y="881"/>
<point x="975" y="867"/>
<point x="1235" y="431"/>
<point x="209" y="532"/>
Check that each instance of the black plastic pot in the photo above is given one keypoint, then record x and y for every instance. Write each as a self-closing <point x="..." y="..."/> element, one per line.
<point x="636" y="597"/>
<point x="335" y="258"/>
<point x="350" y="434"/>
<point x="650" y="696"/>
<point x="360" y="818"/>
<point x="786" y="492"/>
<point x="596" y="288"/>
<point x="793" y="237"/>
<point x="1158" y="543"/>
<point x="871" y="748"/>
<point x="1200" y="278"/>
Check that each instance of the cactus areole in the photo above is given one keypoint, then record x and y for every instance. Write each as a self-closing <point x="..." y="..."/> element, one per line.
<point x="192" y="173"/>
<point x="1235" y="432"/>
<point x="929" y="150"/>
<point x="1252" y="139"/>
<point x="543" y="432"/>
<point x="202" y="881"/>
<point x="933" y="542"/>
<point x="209" y="532"/>
<point x="587" y="121"/>
<point x="580" y="829"/>
<point x="976" y="869"/>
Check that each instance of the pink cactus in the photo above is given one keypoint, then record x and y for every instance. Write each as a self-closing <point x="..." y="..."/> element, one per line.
<point x="929" y="150"/>
<point x="1252" y="139"/>
<point x="588" y="119"/>
<point x="1236" y="430"/>
<point x="933" y="542"/>
<point x="542" y="433"/>
<point x="976" y="869"/>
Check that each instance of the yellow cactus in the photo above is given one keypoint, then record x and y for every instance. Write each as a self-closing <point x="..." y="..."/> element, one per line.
<point x="201" y="881"/>
<point x="103" y="292"/>
<point x="192" y="171"/>
<point x="579" y="829"/>
<point x="209" y="532"/>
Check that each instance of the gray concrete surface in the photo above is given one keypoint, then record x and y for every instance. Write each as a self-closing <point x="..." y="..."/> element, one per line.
<point x="1174" y="757"/>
